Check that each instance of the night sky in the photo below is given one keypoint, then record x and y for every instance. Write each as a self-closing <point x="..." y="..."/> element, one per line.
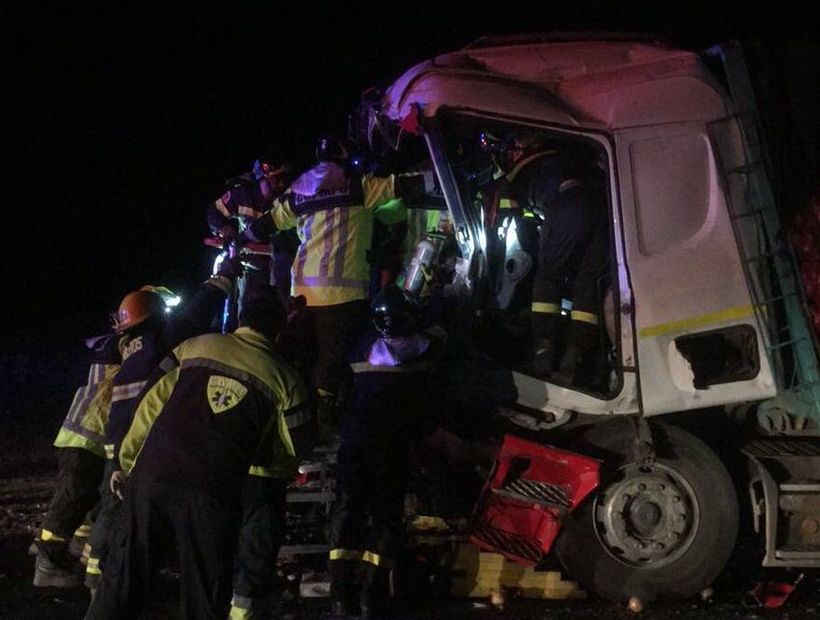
<point x="125" y="122"/>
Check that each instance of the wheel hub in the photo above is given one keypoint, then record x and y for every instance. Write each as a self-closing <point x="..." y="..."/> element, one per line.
<point x="649" y="517"/>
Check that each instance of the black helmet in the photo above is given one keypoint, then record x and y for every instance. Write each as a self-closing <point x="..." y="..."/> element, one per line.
<point x="330" y="148"/>
<point x="395" y="312"/>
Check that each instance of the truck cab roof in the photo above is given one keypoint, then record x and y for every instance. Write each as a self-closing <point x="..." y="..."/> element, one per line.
<point x="593" y="80"/>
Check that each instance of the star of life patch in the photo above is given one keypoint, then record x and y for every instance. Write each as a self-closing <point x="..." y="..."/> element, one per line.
<point x="224" y="393"/>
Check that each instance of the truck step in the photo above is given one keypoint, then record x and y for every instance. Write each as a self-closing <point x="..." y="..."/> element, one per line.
<point x="305" y="497"/>
<point x="799" y="553"/>
<point x="783" y="447"/>
<point x="292" y="550"/>
<point x="785" y="492"/>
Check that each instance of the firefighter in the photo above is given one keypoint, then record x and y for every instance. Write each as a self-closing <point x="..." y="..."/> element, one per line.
<point x="264" y="507"/>
<point x="573" y="250"/>
<point x="217" y="408"/>
<point x="147" y="333"/>
<point x="393" y="402"/>
<point x="81" y="460"/>
<point x="248" y="196"/>
<point x="333" y="212"/>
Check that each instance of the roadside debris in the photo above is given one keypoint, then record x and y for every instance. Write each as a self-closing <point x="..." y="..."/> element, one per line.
<point x="497" y="599"/>
<point x="635" y="605"/>
<point x="773" y="594"/>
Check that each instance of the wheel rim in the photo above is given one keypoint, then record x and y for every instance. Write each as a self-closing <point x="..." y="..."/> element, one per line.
<point x="649" y="518"/>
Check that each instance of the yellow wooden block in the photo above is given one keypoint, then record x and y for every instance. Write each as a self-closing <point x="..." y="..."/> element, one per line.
<point x="567" y="590"/>
<point x="490" y="559"/>
<point x="477" y="573"/>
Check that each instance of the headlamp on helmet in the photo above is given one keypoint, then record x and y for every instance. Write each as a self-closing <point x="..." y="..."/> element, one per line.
<point x="263" y="169"/>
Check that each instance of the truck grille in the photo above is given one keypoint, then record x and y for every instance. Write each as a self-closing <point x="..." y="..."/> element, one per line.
<point x="532" y="490"/>
<point x="505" y="542"/>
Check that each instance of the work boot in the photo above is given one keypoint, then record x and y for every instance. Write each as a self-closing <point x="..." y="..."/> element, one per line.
<point x="32" y="548"/>
<point x="85" y="554"/>
<point x="568" y="369"/>
<point x="544" y="358"/>
<point x="55" y="567"/>
<point x="343" y="590"/>
<point x="582" y="339"/>
<point x="79" y="541"/>
<point x="375" y="597"/>
<point x="92" y="582"/>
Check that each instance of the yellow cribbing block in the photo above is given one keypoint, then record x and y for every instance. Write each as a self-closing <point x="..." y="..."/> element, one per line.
<point x="476" y="574"/>
<point x="469" y="559"/>
<point x="490" y="561"/>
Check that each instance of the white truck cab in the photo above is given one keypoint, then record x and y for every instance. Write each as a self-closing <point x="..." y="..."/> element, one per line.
<point x="702" y="308"/>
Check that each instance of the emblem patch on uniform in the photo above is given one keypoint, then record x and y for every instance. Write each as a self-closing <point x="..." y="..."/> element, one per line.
<point x="224" y="393"/>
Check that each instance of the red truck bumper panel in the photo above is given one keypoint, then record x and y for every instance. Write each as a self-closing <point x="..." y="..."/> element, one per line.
<point x="530" y="491"/>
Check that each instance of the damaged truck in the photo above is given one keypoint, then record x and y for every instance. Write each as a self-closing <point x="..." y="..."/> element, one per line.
<point x="703" y="310"/>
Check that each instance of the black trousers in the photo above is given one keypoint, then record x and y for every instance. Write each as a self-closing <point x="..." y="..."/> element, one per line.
<point x="260" y="537"/>
<point x="77" y="491"/>
<point x="335" y="329"/>
<point x="573" y="255"/>
<point x="157" y="516"/>
<point x="371" y="480"/>
<point x="105" y="523"/>
<point x="255" y="280"/>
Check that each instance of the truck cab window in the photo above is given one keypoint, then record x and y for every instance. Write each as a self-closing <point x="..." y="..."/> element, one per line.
<point x="539" y="205"/>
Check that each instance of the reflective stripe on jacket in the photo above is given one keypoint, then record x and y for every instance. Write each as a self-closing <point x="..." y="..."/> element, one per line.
<point x="333" y="215"/>
<point x="146" y="346"/>
<point x="220" y="408"/>
<point x="84" y="425"/>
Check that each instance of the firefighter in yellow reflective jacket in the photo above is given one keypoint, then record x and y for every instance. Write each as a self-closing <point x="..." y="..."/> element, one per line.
<point x="195" y="434"/>
<point x="333" y="213"/>
<point x="81" y="459"/>
<point x="264" y="503"/>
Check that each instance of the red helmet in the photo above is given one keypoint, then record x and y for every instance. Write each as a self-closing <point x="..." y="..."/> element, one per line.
<point x="137" y="307"/>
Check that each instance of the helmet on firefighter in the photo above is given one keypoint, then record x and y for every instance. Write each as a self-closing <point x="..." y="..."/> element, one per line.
<point x="330" y="148"/>
<point x="395" y="312"/>
<point x="509" y="149"/>
<point x="272" y="175"/>
<point x="137" y="307"/>
<point x="266" y="167"/>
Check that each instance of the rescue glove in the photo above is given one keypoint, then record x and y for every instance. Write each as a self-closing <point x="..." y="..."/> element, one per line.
<point x="118" y="481"/>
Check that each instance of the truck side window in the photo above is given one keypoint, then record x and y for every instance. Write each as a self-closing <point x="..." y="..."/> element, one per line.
<point x="721" y="356"/>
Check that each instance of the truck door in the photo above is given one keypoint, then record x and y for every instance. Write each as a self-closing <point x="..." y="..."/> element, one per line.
<point x="697" y="340"/>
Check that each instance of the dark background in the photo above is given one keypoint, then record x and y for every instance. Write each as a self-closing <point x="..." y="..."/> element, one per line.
<point x="125" y="121"/>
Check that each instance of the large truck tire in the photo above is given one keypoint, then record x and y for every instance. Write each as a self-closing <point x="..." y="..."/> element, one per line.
<point x="664" y="530"/>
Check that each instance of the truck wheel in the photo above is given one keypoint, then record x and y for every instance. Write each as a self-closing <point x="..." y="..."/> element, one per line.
<point x="660" y="530"/>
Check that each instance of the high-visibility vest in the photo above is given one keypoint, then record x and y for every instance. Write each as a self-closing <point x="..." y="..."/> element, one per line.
<point x="333" y="215"/>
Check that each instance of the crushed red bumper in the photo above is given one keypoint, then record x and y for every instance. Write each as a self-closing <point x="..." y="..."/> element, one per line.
<point x="530" y="492"/>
